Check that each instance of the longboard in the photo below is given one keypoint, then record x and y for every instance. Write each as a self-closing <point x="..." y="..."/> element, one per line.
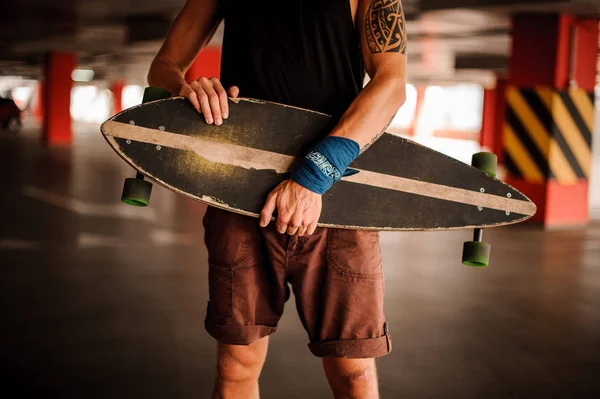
<point x="401" y="185"/>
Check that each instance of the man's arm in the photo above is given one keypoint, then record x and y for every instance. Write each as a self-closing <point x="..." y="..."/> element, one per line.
<point x="190" y="32"/>
<point x="383" y="41"/>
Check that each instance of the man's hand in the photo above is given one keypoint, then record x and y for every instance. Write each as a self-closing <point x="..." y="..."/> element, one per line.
<point x="209" y="97"/>
<point x="298" y="209"/>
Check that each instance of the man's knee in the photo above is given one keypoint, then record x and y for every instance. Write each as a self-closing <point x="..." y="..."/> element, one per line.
<point x="352" y="375"/>
<point x="358" y="378"/>
<point x="238" y="363"/>
<point x="236" y="369"/>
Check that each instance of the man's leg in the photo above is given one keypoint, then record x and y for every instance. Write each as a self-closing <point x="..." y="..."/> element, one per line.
<point x="238" y="369"/>
<point x="337" y="278"/>
<point x="247" y="293"/>
<point x="352" y="378"/>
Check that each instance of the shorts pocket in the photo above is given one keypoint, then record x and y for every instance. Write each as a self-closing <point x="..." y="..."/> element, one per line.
<point x="220" y="293"/>
<point x="234" y="252"/>
<point x="355" y="254"/>
<point x="226" y="236"/>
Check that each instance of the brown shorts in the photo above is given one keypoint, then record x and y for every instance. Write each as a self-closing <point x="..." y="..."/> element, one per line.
<point x="336" y="276"/>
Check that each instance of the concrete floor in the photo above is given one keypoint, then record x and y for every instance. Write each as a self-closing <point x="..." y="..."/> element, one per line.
<point x="101" y="300"/>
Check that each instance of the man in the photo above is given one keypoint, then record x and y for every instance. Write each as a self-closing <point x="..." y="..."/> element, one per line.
<point x="311" y="54"/>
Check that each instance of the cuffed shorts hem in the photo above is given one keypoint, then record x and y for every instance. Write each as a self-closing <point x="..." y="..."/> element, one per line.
<point x="359" y="348"/>
<point x="237" y="335"/>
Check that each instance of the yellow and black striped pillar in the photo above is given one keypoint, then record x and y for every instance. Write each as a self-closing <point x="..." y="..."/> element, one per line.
<point x="548" y="125"/>
<point x="548" y="134"/>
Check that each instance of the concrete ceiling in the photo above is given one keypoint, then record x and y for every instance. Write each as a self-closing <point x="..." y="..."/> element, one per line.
<point x="449" y="40"/>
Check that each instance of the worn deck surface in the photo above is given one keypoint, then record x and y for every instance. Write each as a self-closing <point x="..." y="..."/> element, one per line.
<point x="401" y="185"/>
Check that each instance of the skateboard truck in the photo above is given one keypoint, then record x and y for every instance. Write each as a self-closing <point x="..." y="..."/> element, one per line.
<point x="136" y="191"/>
<point x="476" y="253"/>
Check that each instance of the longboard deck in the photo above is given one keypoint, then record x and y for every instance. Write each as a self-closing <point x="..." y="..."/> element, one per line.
<point x="401" y="185"/>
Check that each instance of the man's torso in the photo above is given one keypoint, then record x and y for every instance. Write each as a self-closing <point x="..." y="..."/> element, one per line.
<point x="304" y="53"/>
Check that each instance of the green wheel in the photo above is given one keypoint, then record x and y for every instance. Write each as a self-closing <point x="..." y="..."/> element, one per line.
<point x="485" y="161"/>
<point x="476" y="254"/>
<point x="155" y="93"/>
<point x="136" y="192"/>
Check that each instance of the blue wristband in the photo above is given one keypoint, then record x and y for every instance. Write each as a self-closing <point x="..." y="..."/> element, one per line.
<point x="326" y="163"/>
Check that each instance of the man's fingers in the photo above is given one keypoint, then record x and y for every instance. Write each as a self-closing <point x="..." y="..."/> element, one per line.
<point x="204" y="105"/>
<point x="284" y="220"/>
<point x="222" y="97"/>
<point x="215" y="106"/>
<point x="295" y="223"/>
<point x="302" y="230"/>
<point x="189" y="93"/>
<point x="209" y="97"/>
<point x="203" y="100"/>
<point x="296" y="215"/>
<point x="233" y="91"/>
<point x="267" y="212"/>
<point x="281" y="227"/>
<point x="311" y="229"/>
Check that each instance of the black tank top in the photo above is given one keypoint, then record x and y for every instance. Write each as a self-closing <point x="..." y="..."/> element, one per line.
<point x="303" y="53"/>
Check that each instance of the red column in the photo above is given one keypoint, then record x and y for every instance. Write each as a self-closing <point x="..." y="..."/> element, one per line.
<point x="549" y="114"/>
<point x="207" y="64"/>
<point x="499" y="113"/>
<point x="57" y="98"/>
<point x="38" y="111"/>
<point x="486" y="136"/>
<point x="116" y="88"/>
<point x="493" y="119"/>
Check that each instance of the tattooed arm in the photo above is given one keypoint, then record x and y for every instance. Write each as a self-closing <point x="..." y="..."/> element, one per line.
<point x="383" y="41"/>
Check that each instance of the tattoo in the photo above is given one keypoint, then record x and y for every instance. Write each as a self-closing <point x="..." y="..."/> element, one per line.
<point x="377" y="136"/>
<point x="385" y="27"/>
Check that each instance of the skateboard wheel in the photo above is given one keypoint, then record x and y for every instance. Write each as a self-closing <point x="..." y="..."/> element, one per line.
<point x="476" y="254"/>
<point x="485" y="161"/>
<point x="136" y="192"/>
<point x="155" y="93"/>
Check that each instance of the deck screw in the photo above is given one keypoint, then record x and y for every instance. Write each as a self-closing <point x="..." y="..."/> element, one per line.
<point x="132" y="122"/>
<point x="161" y="128"/>
<point x="128" y="141"/>
<point x="480" y="208"/>
<point x="482" y="190"/>
<point x="509" y="195"/>
<point x="158" y="148"/>
<point x="507" y="213"/>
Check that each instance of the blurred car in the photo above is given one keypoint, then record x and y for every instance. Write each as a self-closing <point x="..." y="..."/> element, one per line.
<point x="10" y="115"/>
